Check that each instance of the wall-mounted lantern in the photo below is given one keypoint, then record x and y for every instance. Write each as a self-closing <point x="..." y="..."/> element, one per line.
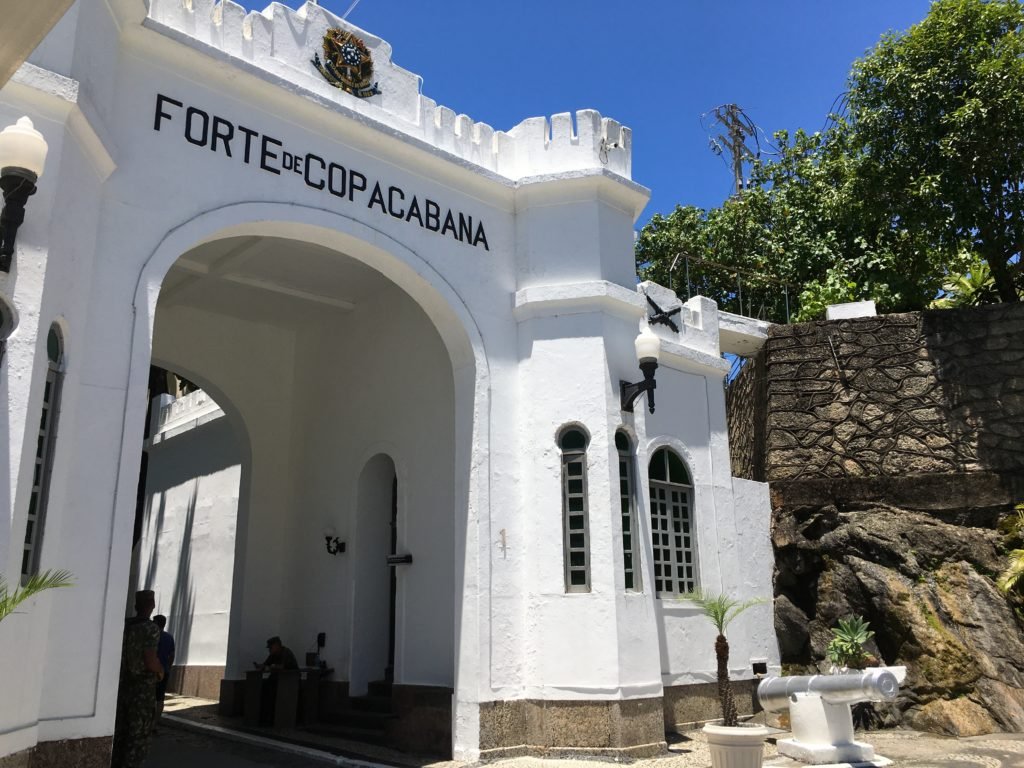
<point x="648" y="350"/>
<point x="334" y="544"/>
<point x="22" y="157"/>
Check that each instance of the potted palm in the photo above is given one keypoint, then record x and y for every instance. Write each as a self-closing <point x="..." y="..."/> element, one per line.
<point x="732" y="745"/>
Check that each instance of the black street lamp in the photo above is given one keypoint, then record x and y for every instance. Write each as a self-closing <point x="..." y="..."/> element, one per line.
<point x="22" y="157"/>
<point x="648" y="350"/>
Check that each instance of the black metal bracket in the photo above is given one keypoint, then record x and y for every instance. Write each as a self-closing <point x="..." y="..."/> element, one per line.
<point x="399" y="559"/>
<point x="628" y="393"/>
<point x="334" y="545"/>
<point x="17" y="185"/>
<point x="661" y="316"/>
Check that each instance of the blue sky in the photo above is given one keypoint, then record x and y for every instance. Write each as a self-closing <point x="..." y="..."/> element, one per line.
<point x="654" y="65"/>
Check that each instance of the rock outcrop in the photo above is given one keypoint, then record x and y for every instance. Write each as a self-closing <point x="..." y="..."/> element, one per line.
<point x="924" y="579"/>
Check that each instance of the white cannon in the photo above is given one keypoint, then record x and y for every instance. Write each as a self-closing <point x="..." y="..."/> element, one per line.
<point x="819" y="712"/>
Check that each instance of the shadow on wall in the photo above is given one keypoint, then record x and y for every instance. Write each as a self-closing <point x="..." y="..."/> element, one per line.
<point x="180" y="613"/>
<point x="179" y="620"/>
<point x="978" y="355"/>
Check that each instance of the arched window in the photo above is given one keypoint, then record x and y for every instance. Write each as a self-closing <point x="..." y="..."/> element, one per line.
<point x="573" y="442"/>
<point x="672" y="533"/>
<point x="627" y="508"/>
<point x="44" y="454"/>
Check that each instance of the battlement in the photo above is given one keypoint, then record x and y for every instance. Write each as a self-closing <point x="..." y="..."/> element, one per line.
<point x="282" y="42"/>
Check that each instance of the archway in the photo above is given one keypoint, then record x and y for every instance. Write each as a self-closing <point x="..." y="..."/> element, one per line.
<point x="432" y="351"/>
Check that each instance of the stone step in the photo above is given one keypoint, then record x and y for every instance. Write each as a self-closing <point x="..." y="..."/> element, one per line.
<point x="380" y="704"/>
<point x="349" y="732"/>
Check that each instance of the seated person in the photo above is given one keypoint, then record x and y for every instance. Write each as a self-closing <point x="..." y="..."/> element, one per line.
<point x="279" y="658"/>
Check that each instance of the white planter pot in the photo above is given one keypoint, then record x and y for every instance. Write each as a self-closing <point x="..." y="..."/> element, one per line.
<point x="741" y="746"/>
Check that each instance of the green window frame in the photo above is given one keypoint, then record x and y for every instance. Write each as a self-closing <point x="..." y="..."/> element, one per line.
<point x="573" y="443"/>
<point x="673" y="535"/>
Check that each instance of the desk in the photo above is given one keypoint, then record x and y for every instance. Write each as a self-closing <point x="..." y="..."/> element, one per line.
<point x="311" y="692"/>
<point x="275" y="696"/>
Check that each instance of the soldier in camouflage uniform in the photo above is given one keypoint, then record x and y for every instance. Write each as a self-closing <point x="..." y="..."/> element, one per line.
<point x="140" y="672"/>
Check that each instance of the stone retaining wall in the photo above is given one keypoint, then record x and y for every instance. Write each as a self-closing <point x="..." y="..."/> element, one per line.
<point x="926" y="392"/>
<point x="894" y="449"/>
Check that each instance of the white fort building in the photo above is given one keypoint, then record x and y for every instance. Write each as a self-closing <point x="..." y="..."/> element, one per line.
<point x="409" y="331"/>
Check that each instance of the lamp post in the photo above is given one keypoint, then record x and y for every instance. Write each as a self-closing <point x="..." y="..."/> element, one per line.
<point x="648" y="350"/>
<point x="22" y="157"/>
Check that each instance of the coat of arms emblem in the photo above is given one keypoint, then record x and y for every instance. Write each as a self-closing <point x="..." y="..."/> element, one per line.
<point x="347" y="63"/>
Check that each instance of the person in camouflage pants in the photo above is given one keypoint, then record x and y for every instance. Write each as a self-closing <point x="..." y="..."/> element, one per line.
<point x="140" y="672"/>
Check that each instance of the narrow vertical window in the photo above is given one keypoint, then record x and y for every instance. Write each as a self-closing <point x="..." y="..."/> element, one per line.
<point x="627" y="508"/>
<point x="573" y="443"/>
<point x="672" y="533"/>
<point x="43" y="456"/>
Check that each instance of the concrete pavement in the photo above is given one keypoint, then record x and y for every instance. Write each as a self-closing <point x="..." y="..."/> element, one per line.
<point x="176" y="747"/>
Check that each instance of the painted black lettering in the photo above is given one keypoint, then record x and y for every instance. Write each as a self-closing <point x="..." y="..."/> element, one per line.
<point x="414" y="210"/>
<point x="249" y="134"/>
<point x="433" y="215"/>
<point x="204" y="136"/>
<point x="224" y="131"/>
<point x="160" y="114"/>
<point x="377" y="198"/>
<point x="310" y="158"/>
<point x="449" y="224"/>
<point x="480" y="236"/>
<point x="465" y="228"/>
<point x="337" y="178"/>
<point x="392" y="192"/>
<point x="287" y="161"/>
<point x="266" y="154"/>
<point x="353" y="187"/>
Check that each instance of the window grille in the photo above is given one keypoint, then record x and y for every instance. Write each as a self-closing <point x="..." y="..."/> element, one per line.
<point x="673" y="537"/>
<point x="43" y="463"/>
<point x="627" y="509"/>
<point x="575" y="528"/>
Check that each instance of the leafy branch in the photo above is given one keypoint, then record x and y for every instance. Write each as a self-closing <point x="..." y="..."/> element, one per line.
<point x="39" y="582"/>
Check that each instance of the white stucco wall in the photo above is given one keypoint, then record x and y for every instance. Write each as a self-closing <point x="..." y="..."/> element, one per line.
<point x="186" y="550"/>
<point x="731" y="516"/>
<point x="462" y="369"/>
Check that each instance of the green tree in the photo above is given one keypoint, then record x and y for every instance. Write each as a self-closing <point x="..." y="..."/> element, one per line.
<point x="36" y="584"/>
<point x="937" y="130"/>
<point x="919" y="178"/>
<point x="721" y="610"/>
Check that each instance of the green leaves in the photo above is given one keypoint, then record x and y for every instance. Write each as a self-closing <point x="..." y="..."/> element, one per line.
<point x="846" y="648"/>
<point x="923" y="170"/>
<point x="36" y="584"/>
<point x="1011" y="577"/>
<point x="720" y="608"/>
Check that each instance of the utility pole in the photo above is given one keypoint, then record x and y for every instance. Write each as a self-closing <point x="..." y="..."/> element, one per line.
<point x="738" y="128"/>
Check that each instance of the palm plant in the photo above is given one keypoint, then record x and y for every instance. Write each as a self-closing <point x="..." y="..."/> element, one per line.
<point x="721" y="609"/>
<point x="1009" y="578"/>
<point x="36" y="584"/>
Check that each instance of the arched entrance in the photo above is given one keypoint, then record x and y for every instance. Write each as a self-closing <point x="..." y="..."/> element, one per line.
<point x="330" y="360"/>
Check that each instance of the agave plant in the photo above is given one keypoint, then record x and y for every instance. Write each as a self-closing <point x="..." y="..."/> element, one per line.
<point x="36" y="584"/>
<point x="721" y="610"/>
<point x="846" y="648"/>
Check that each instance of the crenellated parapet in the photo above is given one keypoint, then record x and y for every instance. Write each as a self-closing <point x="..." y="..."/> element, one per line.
<point x="282" y="42"/>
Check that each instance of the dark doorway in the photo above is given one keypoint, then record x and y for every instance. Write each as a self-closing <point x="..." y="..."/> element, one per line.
<point x="389" y="670"/>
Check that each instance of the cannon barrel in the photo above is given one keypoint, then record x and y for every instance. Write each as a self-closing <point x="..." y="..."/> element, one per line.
<point x="775" y="693"/>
